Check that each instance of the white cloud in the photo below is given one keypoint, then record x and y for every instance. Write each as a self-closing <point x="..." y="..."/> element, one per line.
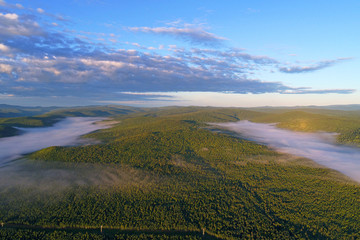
<point x="22" y="88"/>
<point x="106" y="65"/>
<point x="40" y="10"/>
<point x="313" y="67"/>
<point x="4" y="48"/>
<point x="147" y="93"/>
<point x="53" y="70"/>
<point x="6" y="95"/>
<point x="81" y="67"/>
<point x="19" y="6"/>
<point x="195" y="35"/>
<point x="315" y="91"/>
<point x="5" y="68"/>
<point x="12" y="25"/>
<point x="10" y="16"/>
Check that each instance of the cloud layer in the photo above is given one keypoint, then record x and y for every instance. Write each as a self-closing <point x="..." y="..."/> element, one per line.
<point x="41" y="57"/>
<point x="319" y="147"/>
<point x="65" y="132"/>
<point x="193" y="35"/>
<point x="311" y="68"/>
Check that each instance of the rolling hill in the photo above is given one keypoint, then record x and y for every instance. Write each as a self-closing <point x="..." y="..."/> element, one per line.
<point x="179" y="177"/>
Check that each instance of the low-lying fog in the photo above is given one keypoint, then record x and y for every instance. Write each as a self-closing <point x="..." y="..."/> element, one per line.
<point x="66" y="132"/>
<point x="52" y="177"/>
<point x="320" y="147"/>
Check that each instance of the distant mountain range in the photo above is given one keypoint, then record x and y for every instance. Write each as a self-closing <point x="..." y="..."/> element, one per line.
<point x="20" y="111"/>
<point x="348" y="107"/>
<point x="7" y="111"/>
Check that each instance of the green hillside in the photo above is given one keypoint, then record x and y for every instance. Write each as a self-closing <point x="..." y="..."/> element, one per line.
<point x="183" y="177"/>
<point x="9" y="111"/>
<point x="347" y="124"/>
<point x="8" y="124"/>
<point x="91" y="111"/>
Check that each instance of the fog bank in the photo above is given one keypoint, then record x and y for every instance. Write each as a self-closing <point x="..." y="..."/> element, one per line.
<point x="50" y="177"/>
<point x="320" y="147"/>
<point x="66" y="132"/>
<point x="53" y="177"/>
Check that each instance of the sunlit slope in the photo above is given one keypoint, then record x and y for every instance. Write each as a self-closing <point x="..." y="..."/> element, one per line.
<point x="7" y="125"/>
<point x="92" y="111"/>
<point x="347" y="124"/>
<point x="202" y="179"/>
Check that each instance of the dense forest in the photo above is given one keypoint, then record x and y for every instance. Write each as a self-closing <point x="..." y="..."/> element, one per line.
<point x="179" y="178"/>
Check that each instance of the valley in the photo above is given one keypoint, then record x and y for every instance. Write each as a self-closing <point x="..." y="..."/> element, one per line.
<point x="167" y="171"/>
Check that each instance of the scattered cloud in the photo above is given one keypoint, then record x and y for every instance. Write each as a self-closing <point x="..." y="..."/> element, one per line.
<point x="22" y="88"/>
<point x="39" y="59"/>
<point x="314" y="91"/>
<point x="8" y="5"/>
<point x="142" y="47"/>
<point x="40" y="10"/>
<point x="152" y="96"/>
<point x="5" y="95"/>
<point x="12" y="24"/>
<point x="236" y="54"/>
<point x="19" y="6"/>
<point x="5" y="68"/>
<point x="194" y="35"/>
<point x="4" y="48"/>
<point x="313" y="67"/>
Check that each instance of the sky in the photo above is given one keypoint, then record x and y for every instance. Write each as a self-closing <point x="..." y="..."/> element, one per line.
<point x="235" y="53"/>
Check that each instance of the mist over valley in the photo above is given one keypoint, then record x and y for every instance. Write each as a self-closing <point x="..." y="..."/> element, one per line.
<point x="161" y="172"/>
<point x="320" y="147"/>
<point x="179" y="120"/>
<point x="65" y="132"/>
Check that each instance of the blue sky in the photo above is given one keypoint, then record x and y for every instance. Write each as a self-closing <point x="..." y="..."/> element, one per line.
<point x="158" y="53"/>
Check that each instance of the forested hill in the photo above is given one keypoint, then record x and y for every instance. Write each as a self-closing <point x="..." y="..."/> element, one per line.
<point x="8" y="111"/>
<point x="40" y="117"/>
<point x="171" y="173"/>
<point x="346" y="123"/>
